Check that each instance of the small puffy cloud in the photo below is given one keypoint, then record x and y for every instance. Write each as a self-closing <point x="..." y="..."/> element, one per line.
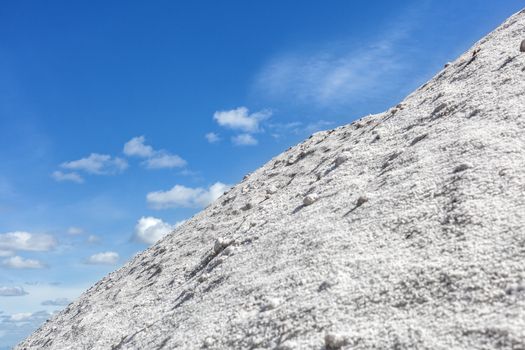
<point x="240" y="119"/>
<point x="155" y="159"/>
<point x="244" y="140"/>
<point x="164" y="160"/>
<point x="17" y="262"/>
<point x="12" y="291"/>
<point x="105" y="258"/>
<point x="72" y="177"/>
<point x="56" y="302"/>
<point x="212" y="137"/>
<point x="150" y="229"/>
<point x="92" y="239"/>
<point x="75" y="231"/>
<point x="136" y="147"/>
<point x="98" y="164"/>
<point x="20" y="240"/>
<point x="21" y="316"/>
<point x="185" y="197"/>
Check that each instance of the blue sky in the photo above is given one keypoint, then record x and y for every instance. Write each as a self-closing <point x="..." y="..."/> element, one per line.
<point x="119" y="120"/>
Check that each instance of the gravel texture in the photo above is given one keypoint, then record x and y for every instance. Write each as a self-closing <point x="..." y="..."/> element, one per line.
<point x="402" y="230"/>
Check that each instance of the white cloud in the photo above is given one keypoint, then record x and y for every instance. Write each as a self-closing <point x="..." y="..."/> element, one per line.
<point x="4" y="253"/>
<point x="155" y="159"/>
<point x="75" y="231"/>
<point x="92" y="239"/>
<point x="98" y="164"/>
<point x="164" y="160"/>
<point x="150" y="229"/>
<point x="186" y="197"/>
<point x="240" y="119"/>
<point x="21" y="316"/>
<point x="72" y="177"/>
<point x="244" y="140"/>
<point x="136" y="147"/>
<point x="212" y="137"/>
<point x="12" y="291"/>
<point x="105" y="258"/>
<point x="18" y="326"/>
<point x="344" y="73"/>
<point x="20" y="240"/>
<point x="56" y="302"/>
<point x="17" y="262"/>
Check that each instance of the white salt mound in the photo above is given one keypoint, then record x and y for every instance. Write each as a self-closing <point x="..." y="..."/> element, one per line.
<point x="416" y="239"/>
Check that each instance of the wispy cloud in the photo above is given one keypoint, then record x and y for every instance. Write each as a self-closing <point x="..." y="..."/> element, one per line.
<point x="150" y="229"/>
<point x="164" y="160"/>
<point x="340" y="73"/>
<point x="56" y="302"/>
<point x="298" y="128"/>
<point x="75" y="231"/>
<point x="104" y="258"/>
<point x="20" y="240"/>
<point x="155" y="159"/>
<point x="12" y="291"/>
<point x="71" y="176"/>
<point x="212" y="137"/>
<point x="185" y="197"/>
<point x="17" y="262"/>
<point x="244" y="140"/>
<point x="93" y="239"/>
<point x="97" y="164"/>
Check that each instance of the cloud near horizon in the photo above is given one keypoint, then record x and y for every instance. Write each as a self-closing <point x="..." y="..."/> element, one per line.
<point x="185" y="197"/>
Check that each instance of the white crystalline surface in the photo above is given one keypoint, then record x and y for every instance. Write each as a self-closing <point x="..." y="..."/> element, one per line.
<point x="416" y="238"/>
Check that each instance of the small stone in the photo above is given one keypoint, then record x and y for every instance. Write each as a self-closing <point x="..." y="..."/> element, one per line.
<point x="333" y="341"/>
<point x="361" y="200"/>
<point x="522" y="46"/>
<point x="220" y="244"/>
<point x="228" y="251"/>
<point x="247" y="206"/>
<point x="447" y="64"/>
<point x="270" y="304"/>
<point x="288" y="345"/>
<point x="208" y="342"/>
<point x="340" y="160"/>
<point x="272" y="189"/>
<point x="462" y="167"/>
<point x="202" y="278"/>
<point x="310" y="199"/>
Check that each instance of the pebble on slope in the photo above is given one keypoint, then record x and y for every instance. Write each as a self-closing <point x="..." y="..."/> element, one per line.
<point x="310" y="199"/>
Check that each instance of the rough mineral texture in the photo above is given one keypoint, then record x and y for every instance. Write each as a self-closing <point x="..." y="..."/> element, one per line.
<point x="402" y="230"/>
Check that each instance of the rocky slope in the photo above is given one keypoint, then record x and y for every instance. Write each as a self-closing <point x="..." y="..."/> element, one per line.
<point x="405" y="229"/>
